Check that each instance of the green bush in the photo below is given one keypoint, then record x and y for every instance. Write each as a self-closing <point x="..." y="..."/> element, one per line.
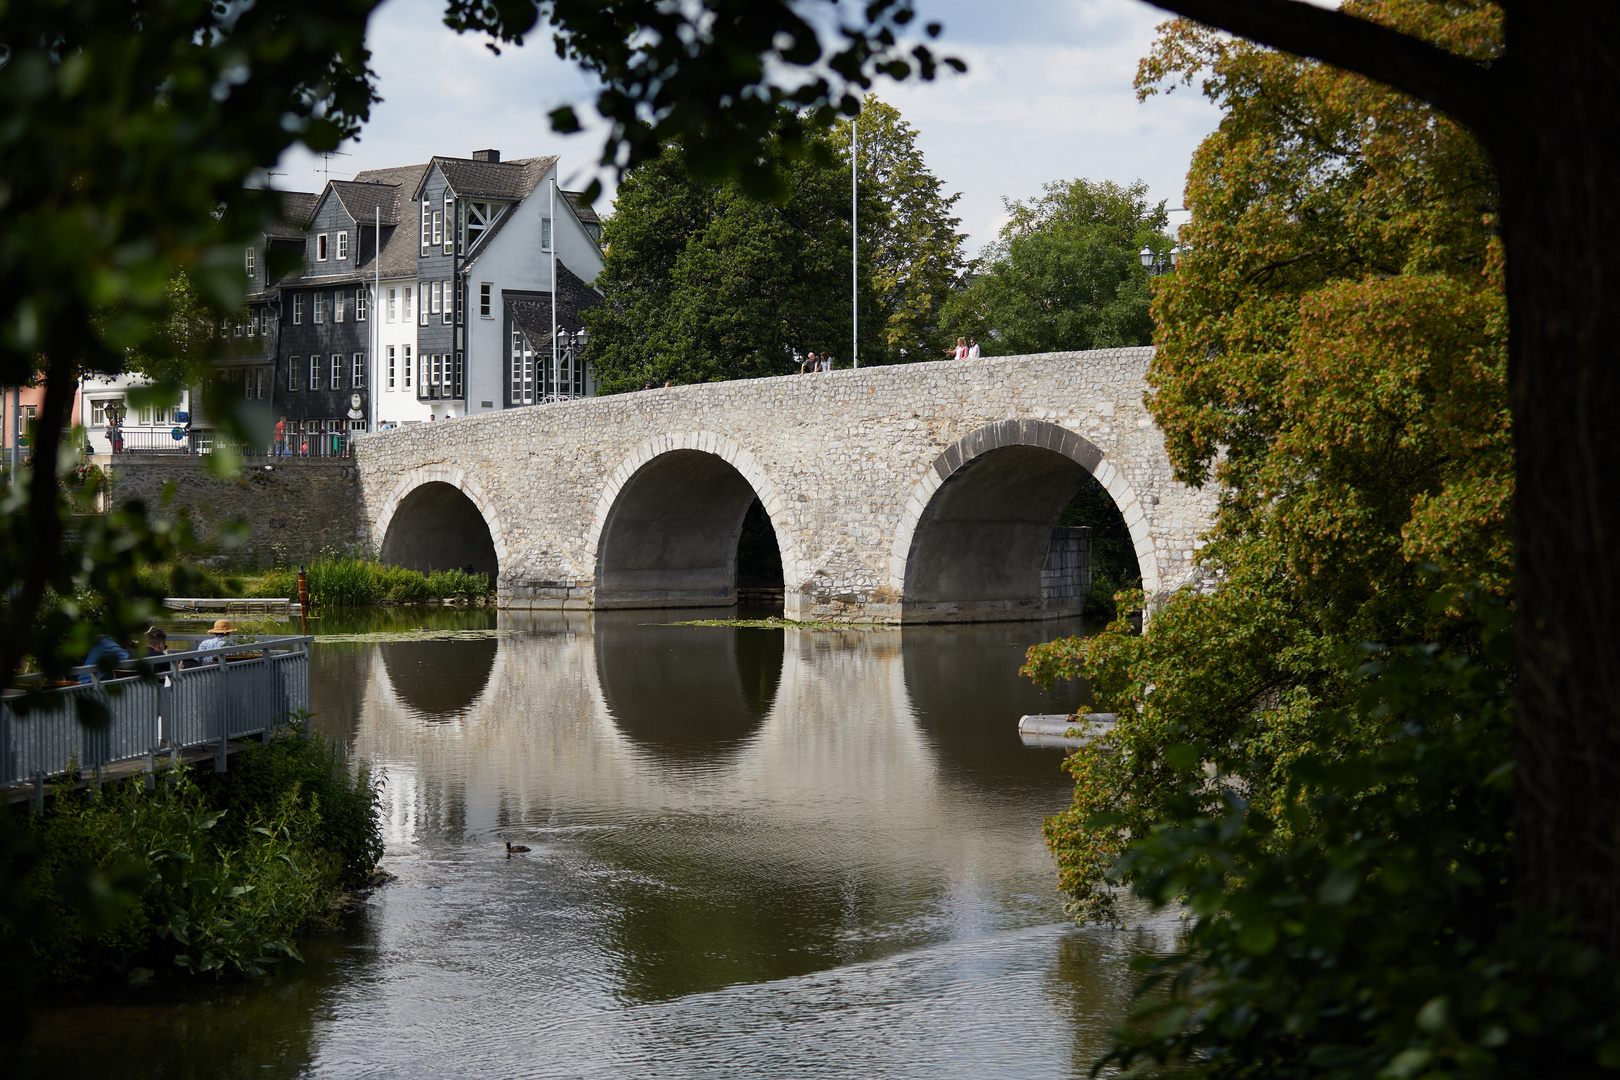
<point x="215" y="874"/>
<point x="351" y="579"/>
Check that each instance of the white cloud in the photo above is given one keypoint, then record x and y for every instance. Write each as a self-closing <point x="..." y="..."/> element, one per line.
<point x="1047" y="96"/>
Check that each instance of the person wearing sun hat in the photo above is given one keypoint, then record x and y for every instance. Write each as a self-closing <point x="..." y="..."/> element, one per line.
<point x="218" y="638"/>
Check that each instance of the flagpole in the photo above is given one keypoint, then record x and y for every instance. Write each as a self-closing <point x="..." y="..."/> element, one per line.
<point x="556" y="391"/>
<point x="854" y="243"/>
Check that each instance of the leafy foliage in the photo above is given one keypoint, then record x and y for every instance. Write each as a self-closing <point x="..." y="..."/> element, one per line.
<point x="704" y="282"/>
<point x="213" y="874"/>
<point x="1332" y="351"/>
<point x="1065" y="272"/>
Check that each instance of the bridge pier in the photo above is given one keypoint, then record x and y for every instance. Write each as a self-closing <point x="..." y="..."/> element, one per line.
<point x="917" y="493"/>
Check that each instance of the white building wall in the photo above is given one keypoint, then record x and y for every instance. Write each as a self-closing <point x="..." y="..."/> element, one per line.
<point x="397" y="404"/>
<point x="514" y="260"/>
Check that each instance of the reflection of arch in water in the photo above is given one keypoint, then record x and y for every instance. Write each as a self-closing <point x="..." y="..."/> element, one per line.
<point x="977" y="532"/>
<point x="437" y="519"/>
<point x="439" y="680"/>
<point x="687" y="690"/>
<point x="666" y="526"/>
<point x="963" y="686"/>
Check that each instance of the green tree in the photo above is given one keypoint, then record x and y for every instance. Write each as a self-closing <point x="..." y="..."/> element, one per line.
<point x="1065" y="272"/>
<point x="704" y="281"/>
<point x="912" y="243"/>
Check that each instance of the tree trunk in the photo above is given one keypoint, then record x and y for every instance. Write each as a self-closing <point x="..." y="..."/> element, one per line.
<point x="1558" y="156"/>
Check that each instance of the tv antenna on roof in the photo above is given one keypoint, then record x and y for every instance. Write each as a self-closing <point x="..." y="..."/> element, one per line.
<point x="326" y="162"/>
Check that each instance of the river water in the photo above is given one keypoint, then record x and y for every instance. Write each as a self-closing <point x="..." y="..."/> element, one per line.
<point x="754" y="853"/>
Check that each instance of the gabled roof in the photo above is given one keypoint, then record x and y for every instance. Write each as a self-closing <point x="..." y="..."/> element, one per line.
<point x="532" y="312"/>
<point x="297" y="207"/>
<point x="509" y="180"/>
<point x="363" y="199"/>
<point x="582" y="209"/>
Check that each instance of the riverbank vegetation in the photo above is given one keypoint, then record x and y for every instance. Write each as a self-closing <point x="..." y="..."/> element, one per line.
<point x="1315" y="751"/>
<point x="208" y="874"/>
<point x="334" y="579"/>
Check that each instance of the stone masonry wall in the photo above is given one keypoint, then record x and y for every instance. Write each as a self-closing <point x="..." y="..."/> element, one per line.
<point x="292" y="510"/>
<point x="844" y="462"/>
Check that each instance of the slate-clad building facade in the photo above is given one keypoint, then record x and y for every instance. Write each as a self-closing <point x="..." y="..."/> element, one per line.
<point x="414" y="289"/>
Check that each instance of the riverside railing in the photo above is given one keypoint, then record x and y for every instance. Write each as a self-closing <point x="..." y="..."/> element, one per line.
<point x="154" y="442"/>
<point x="169" y="704"/>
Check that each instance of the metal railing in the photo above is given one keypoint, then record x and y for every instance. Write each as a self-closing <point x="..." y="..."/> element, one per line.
<point x="171" y="704"/>
<point x="150" y="443"/>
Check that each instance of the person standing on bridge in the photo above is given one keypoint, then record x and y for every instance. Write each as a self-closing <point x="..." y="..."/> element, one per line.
<point x="973" y="349"/>
<point x="808" y="363"/>
<point x="961" y="350"/>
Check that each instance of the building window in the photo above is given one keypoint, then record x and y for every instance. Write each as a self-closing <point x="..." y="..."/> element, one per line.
<point x="260" y="378"/>
<point x="391" y="361"/>
<point x="407" y="304"/>
<point x="292" y="373"/>
<point x="314" y="371"/>
<point x="337" y="306"/>
<point x="393" y="304"/>
<point x="449" y="305"/>
<point x="479" y="217"/>
<point x="438" y="227"/>
<point x="449" y="223"/>
<point x="360" y="304"/>
<point x="486" y="302"/>
<point x="320" y="307"/>
<point x="298" y="308"/>
<point x="545" y="234"/>
<point x="434" y="292"/>
<point x="357" y="373"/>
<point x="320" y="247"/>
<point x="343" y="244"/>
<point x="407" y="367"/>
<point x="459" y="390"/>
<point x="427" y="229"/>
<point x="337" y="371"/>
<point x="247" y="262"/>
<point x="422" y="306"/>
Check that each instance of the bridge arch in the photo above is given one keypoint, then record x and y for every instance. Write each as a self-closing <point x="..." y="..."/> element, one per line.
<point x="973" y="536"/>
<point x="665" y="529"/>
<point x="437" y="518"/>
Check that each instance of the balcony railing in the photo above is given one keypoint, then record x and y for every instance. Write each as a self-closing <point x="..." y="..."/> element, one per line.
<point x="164" y="705"/>
<point x="146" y="442"/>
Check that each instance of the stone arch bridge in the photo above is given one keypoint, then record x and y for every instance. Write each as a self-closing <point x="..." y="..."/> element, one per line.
<point x="917" y="493"/>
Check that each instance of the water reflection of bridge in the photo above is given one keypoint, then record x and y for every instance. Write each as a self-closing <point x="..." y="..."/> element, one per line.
<point x="849" y="767"/>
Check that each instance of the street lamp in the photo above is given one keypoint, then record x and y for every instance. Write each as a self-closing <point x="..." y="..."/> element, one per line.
<point x="1156" y="264"/>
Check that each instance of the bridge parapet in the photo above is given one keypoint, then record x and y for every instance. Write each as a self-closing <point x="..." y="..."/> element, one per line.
<point x="918" y="492"/>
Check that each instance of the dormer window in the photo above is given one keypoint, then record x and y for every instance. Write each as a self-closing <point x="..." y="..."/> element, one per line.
<point x="343" y="245"/>
<point x="320" y="247"/>
<point x="247" y="263"/>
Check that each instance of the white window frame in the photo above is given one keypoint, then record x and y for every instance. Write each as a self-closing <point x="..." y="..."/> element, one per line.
<point x="486" y="300"/>
<point x="360" y="305"/>
<point x="449" y="304"/>
<point x="247" y="261"/>
<point x="434" y="293"/>
<point x="422" y="303"/>
<point x="320" y="247"/>
<point x="357" y="373"/>
<point x="298" y="309"/>
<point x="314" y="371"/>
<point x="292" y="374"/>
<point x="545" y="234"/>
<point x="407" y="317"/>
<point x="337" y="371"/>
<point x="427" y="224"/>
<point x="407" y="367"/>
<point x="392" y="366"/>
<point x="343" y="244"/>
<point x="438" y="228"/>
<point x="449" y="224"/>
<point x="393" y="302"/>
<point x="318" y="313"/>
<point x="337" y="305"/>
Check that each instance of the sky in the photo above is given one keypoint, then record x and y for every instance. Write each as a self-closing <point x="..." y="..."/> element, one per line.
<point x="1047" y="96"/>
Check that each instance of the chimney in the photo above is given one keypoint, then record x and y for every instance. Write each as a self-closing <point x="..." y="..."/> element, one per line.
<point x="486" y="155"/>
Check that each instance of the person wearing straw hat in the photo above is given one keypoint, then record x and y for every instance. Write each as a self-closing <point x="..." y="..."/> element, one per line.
<point x="218" y="638"/>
